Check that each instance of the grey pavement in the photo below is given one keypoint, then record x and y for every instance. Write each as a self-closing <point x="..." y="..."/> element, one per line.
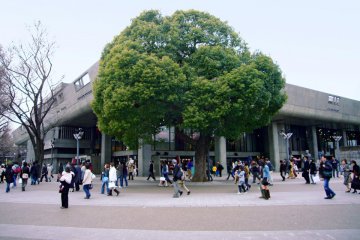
<point x="213" y="210"/>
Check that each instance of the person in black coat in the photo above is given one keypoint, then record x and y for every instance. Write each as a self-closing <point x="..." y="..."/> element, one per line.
<point x="34" y="174"/>
<point x="151" y="171"/>
<point x="9" y="176"/>
<point x="44" y="173"/>
<point x="282" y="169"/>
<point x="313" y="170"/>
<point x="306" y="170"/>
<point x="24" y="174"/>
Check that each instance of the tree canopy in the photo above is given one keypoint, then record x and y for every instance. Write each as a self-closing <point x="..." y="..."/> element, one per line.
<point x="190" y="70"/>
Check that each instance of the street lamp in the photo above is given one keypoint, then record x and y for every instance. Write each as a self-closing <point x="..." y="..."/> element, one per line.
<point x="337" y="151"/>
<point x="286" y="137"/>
<point x="78" y="135"/>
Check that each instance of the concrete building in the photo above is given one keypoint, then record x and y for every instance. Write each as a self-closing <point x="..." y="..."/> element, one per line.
<point x="314" y="118"/>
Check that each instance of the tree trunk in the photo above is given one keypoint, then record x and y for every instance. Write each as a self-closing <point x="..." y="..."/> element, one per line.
<point x="201" y="154"/>
<point x="39" y="152"/>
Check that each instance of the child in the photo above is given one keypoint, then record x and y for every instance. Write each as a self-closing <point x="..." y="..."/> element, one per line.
<point x="241" y="184"/>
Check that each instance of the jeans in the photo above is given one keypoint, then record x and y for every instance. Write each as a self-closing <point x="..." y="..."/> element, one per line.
<point x="15" y="177"/>
<point x="333" y="172"/>
<point x="105" y="184"/>
<point x="123" y="177"/>
<point x="87" y="190"/>
<point x="8" y="187"/>
<point x="327" y="189"/>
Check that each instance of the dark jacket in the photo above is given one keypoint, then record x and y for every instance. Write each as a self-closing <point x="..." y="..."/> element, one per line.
<point x="313" y="169"/>
<point x="176" y="172"/>
<point x="151" y="167"/>
<point x="282" y="167"/>
<point x="9" y="175"/>
<point x="34" y="170"/>
<point x="25" y="170"/>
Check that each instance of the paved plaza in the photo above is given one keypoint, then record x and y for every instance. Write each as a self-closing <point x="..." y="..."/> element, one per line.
<point x="212" y="211"/>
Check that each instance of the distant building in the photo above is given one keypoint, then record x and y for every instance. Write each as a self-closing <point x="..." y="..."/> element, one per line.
<point x="312" y="117"/>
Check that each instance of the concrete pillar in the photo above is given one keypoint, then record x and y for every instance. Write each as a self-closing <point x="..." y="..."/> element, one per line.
<point x="144" y="157"/>
<point x="314" y="142"/>
<point x="344" y="136"/>
<point x="274" y="145"/>
<point x="105" y="149"/>
<point x="220" y="151"/>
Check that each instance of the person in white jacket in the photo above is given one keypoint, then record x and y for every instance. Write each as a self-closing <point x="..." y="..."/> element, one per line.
<point x="65" y="181"/>
<point x="87" y="181"/>
<point x="112" y="180"/>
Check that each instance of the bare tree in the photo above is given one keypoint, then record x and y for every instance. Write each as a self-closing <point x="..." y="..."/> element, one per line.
<point x="3" y="99"/>
<point x="29" y="89"/>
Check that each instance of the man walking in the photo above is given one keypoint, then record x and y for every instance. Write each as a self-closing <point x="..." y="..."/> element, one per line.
<point x="306" y="169"/>
<point x="151" y="171"/>
<point x="177" y="174"/>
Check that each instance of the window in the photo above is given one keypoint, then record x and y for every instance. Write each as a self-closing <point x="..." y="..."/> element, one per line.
<point x="82" y="81"/>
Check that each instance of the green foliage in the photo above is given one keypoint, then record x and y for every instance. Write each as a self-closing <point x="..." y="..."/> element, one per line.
<point x="189" y="70"/>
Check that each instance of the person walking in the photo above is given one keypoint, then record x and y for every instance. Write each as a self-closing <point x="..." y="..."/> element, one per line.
<point x="44" y="173"/>
<point x="119" y="174"/>
<point x="65" y="181"/>
<point x="326" y="169"/>
<point x="182" y="181"/>
<point x="177" y="174"/>
<point x="220" y="168"/>
<point x="165" y="172"/>
<point x="24" y="175"/>
<point x="49" y="171"/>
<point x="306" y="169"/>
<point x="9" y="177"/>
<point x="347" y="174"/>
<point x="34" y="174"/>
<point x="229" y="169"/>
<point x="282" y="170"/>
<point x="151" y="171"/>
<point x="87" y="181"/>
<point x="355" y="183"/>
<point x="241" y="182"/>
<point x="112" y="180"/>
<point x="131" y="168"/>
<point x="265" y="192"/>
<point x="313" y="171"/>
<point x="335" y="167"/>
<point x="105" y="179"/>
<point x="123" y="175"/>
<point x="255" y="171"/>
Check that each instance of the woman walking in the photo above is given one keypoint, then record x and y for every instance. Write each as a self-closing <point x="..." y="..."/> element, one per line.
<point x="105" y="179"/>
<point x="65" y="181"/>
<point x="25" y="173"/>
<point x="112" y="180"/>
<point x="347" y="174"/>
<point x="313" y="171"/>
<point x="87" y="181"/>
<point x="355" y="183"/>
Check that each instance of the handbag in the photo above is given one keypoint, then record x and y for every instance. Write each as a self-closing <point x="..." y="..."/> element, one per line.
<point x="316" y="178"/>
<point x="25" y="176"/>
<point x="93" y="176"/>
<point x="90" y="186"/>
<point x="20" y="180"/>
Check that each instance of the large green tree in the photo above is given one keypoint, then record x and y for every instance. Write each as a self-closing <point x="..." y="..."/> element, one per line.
<point x="189" y="70"/>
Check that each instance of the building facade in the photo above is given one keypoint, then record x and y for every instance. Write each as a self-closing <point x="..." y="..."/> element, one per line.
<point x="315" y="120"/>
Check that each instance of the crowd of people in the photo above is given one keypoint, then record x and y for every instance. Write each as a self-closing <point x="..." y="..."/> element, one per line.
<point x="244" y="173"/>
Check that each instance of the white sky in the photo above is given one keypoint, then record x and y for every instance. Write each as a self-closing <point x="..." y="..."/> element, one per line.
<point x="315" y="42"/>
